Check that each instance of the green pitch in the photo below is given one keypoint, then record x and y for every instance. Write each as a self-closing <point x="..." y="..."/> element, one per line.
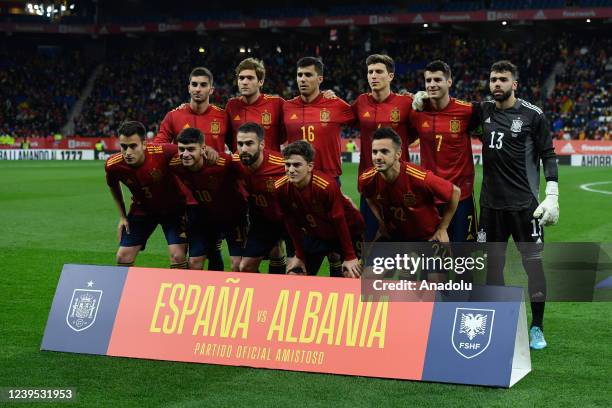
<point x="54" y="213"/>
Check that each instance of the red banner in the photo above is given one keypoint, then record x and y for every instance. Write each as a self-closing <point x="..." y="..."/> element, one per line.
<point x="318" y="21"/>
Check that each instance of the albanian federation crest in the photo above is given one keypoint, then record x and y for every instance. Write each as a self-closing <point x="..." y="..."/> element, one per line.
<point x="472" y="330"/>
<point x="83" y="309"/>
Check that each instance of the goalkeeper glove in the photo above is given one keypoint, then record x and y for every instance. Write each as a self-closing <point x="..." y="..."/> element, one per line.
<point x="418" y="100"/>
<point x="548" y="210"/>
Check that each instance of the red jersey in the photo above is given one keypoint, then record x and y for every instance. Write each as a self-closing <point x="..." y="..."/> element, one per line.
<point x="319" y="210"/>
<point x="260" y="186"/>
<point x="393" y="112"/>
<point x="212" y="122"/>
<point x="408" y="203"/>
<point x="215" y="187"/>
<point x="266" y="111"/>
<point x="154" y="189"/>
<point x="319" y="123"/>
<point x="446" y="147"/>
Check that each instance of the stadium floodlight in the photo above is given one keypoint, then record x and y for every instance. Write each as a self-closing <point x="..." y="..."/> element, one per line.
<point x="278" y="49"/>
<point x="588" y="20"/>
<point x="201" y="50"/>
<point x="249" y="50"/>
<point x="63" y="8"/>
<point x="72" y="7"/>
<point x="504" y="23"/>
<point x="242" y="50"/>
<point x="425" y="25"/>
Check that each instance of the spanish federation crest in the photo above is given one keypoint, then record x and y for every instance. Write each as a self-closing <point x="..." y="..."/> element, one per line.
<point x="215" y="127"/>
<point x="266" y="118"/>
<point x="481" y="236"/>
<point x="270" y="184"/>
<point x="395" y="115"/>
<point x="156" y="175"/>
<point x="455" y="125"/>
<point x="83" y="309"/>
<point x="516" y="126"/>
<point x="324" y="115"/>
<point x="472" y="331"/>
<point x="409" y="199"/>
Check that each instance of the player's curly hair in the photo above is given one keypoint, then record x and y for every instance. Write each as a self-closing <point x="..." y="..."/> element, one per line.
<point x="190" y="135"/>
<point x="300" y="148"/>
<point x="254" y="64"/>
<point x="132" y="127"/>
<point x="505" y="66"/>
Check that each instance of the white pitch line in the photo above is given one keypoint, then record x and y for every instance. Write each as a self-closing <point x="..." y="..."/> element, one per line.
<point x="587" y="187"/>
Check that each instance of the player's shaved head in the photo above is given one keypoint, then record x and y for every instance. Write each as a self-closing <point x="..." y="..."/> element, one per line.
<point x="505" y="66"/>
<point x="441" y="66"/>
<point x="312" y="61"/>
<point x="252" y="127"/>
<point x="132" y="127"/>
<point x="300" y="148"/>
<point x="201" y="71"/>
<point x="381" y="59"/>
<point x="190" y="136"/>
<point x="388" y="133"/>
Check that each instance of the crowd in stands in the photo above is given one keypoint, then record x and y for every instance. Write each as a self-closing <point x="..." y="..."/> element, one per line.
<point x="145" y="84"/>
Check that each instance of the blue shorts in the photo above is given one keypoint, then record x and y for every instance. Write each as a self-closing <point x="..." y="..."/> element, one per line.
<point x="464" y="224"/>
<point x="315" y="251"/>
<point x="204" y="233"/>
<point x="142" y="226"/>
<point x="371" y="222"/>
<point x="262" y="237"/>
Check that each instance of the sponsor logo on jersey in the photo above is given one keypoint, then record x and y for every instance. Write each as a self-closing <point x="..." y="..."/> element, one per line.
<point x="472" y="330"/>
<point x="186" y="126"/>
<point x="395" y="115"/>
<point x="83" y="308"/>
<point x="215" y="127"/>
<point x="488" y="120"/>
<point x="425" y="124"/>
<point x="366" y="115"/>
<point x="294" y="116"/>
<point x="455" y="125"/>
<point x="266" y="118"/>
<point x="516" y="126"/>
<point x="324" y="115"/>
<point x="237" y="117"/>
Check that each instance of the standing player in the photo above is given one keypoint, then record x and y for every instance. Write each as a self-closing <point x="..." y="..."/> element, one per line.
<point x="221" y="209"/>
<point x="254" y="106"/>
<point x="318" y="217"/>
<point x="402" y="195"/>
<point x="443" y="127"/>
<point x="210" y="119"/>
<point x="515" y="138"/>
<point x="262" y="168"/>
<point x="316" y="119"/>
<point x="156" y="198"/>
<point x="380" y="108"/>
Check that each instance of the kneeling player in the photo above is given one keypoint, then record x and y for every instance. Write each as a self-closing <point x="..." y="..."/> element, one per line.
<point x="403" y="196"/>
<point x="156" y="198"/>
<point x="262" y="168"/>
<point x="222" y="207"/>
<point x="318" y="217"/>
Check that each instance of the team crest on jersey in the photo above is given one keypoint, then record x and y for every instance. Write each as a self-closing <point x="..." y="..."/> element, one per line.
<point x="409" y="199"/>
<point x="517" y="124"/>
<point x="266" y="118"/>
<point x="455" y="126"/>
<point x="270" y="184"/>
<point x="324" y="115"/>
<point x="472" y="330"/>
<point x="481" y="236"/>
<point x="395" y="115"/>
<point x="156" y="174"/>
<point x="83" y="308"/>
<point x="215" y="127"/>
